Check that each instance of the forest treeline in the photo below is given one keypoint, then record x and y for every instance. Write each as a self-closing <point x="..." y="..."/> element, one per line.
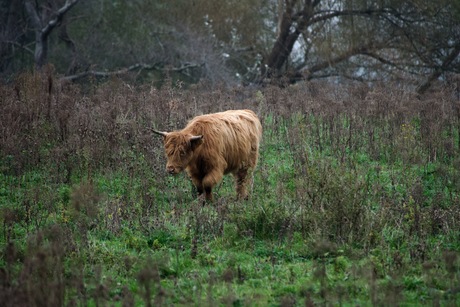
<point x="414" y="42"/>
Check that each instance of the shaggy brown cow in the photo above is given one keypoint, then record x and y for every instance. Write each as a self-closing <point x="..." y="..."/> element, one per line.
<point x="213" y="145"/>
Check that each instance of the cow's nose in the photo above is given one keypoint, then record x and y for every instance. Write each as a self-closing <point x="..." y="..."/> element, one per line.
<point x="170" y="169"/>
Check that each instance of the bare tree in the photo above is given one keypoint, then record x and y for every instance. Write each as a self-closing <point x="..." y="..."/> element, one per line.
<point x="305" y="19"/>
<point x="364" y="40"/>
<point x="44" y="25"/>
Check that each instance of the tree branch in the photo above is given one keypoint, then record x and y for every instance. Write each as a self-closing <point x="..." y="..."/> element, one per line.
<point x="58" y="18"/>
<point x="326" y="15"/>
<point x="384" y="61"/>
<point x="439" y="70"/>
<point x="367" y="50"/>
<point x="340" y="58"/>
<point x="140" y="66"/>
<point x="20" y="45"/>
<point x="33" y="14"/>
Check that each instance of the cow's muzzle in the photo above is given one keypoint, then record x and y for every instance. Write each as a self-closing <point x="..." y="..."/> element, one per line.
<point x="172" y="170"/>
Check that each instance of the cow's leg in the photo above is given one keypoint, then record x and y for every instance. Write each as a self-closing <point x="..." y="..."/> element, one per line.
<point x="253" y="156"/>
<point x="209" y="181"/>
<point x="244" y="177"/>
<point x="198" y="186"/>
<point x="196" y="192"/>
<point x="241" y="178"/>
<point x="208" y="194"/>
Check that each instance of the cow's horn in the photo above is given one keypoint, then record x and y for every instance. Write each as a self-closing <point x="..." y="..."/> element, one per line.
<point x="196" y="137"/>
<point x="160" y="132"/>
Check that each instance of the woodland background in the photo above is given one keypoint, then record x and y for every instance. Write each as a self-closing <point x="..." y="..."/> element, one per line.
<point x="254" y="41"/>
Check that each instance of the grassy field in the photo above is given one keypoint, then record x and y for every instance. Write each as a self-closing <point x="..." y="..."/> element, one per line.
<point x="356" y="199"/>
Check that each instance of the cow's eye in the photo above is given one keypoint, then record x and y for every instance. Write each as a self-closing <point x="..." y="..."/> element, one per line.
<point x="182" y="153"/>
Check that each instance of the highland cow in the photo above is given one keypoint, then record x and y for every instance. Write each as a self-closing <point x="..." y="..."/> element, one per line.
<point x="213" y="145"/>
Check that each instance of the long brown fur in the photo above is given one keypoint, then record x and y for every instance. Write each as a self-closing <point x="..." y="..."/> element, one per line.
<point x="213" y="145"/>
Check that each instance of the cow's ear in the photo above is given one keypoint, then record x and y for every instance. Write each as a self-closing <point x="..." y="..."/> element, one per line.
<point x="196" y="140"/>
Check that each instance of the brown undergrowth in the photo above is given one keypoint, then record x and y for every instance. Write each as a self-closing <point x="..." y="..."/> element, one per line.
<point x="354" y="171"/>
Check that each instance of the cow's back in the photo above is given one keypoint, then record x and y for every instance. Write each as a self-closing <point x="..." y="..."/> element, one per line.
<point x="231" y="135"/>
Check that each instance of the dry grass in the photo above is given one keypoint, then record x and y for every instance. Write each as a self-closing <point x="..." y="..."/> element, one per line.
<point x="369" y="172"/>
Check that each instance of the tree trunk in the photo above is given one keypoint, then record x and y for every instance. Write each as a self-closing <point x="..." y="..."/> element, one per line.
<point x="41" y="41"/>
<point x="41" y="49"/>
<point x="291" y="26"/>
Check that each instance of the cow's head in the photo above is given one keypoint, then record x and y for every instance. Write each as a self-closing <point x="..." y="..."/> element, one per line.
<point x="179" y="148"/>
